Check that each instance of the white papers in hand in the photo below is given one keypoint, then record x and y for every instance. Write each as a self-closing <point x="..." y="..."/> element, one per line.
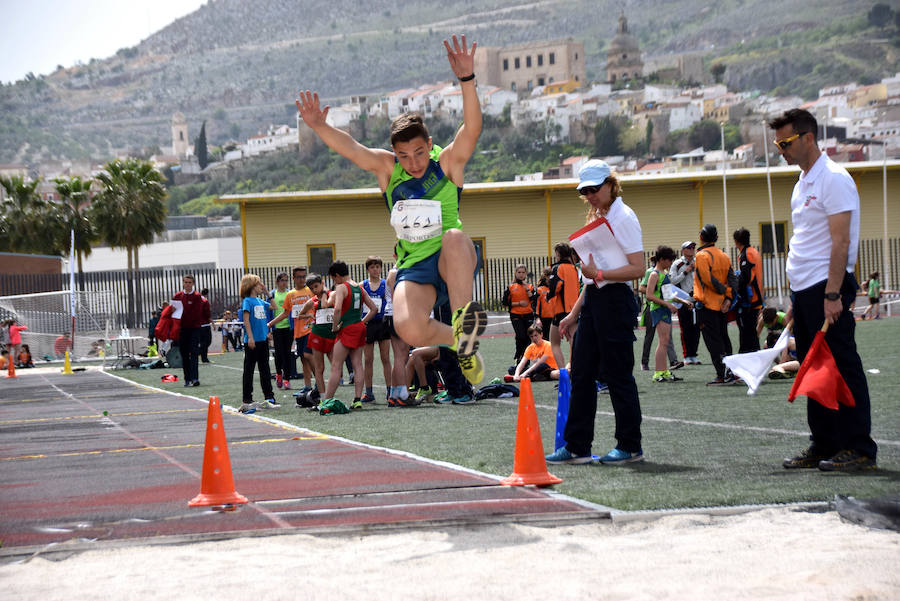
<point x="676" y="295"/>
<point x="597" y="239"/>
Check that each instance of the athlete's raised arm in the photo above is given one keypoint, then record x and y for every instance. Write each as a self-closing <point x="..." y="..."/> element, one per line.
<point x="455" y="156"/>
<point x="376" y="160"/>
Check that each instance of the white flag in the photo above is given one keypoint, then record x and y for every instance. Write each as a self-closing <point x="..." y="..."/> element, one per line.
<point x="753" y="367"/>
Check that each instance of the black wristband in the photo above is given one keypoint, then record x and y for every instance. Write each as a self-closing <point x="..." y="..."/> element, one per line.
<point x="467" y="77"/>
<point x="833" y="296"/>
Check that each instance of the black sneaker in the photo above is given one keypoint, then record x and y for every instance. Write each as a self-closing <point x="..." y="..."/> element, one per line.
<point x="847" y="461"/>
<point x="676" y="364"/>
<point x="410" y="401"/>
<point x="807" y="459"/>
<point x="305" y="401"/>
<point x="195" y="383"/>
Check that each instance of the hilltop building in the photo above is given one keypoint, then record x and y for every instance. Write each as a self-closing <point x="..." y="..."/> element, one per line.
<point x="623" y="60"/>
<point x="276" y="138"/>
<point x="180" y="139"/>
<point x="524" y="67"/>
<point x="684" y="67"/>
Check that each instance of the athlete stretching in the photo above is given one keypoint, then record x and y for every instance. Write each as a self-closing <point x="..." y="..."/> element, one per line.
<point x="422" y="184"/>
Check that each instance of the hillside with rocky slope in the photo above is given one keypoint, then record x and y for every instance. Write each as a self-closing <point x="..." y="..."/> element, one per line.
<point x="238" y="63"/>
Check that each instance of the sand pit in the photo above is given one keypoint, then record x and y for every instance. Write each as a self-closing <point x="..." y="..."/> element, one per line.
<point x="770" y="554"/>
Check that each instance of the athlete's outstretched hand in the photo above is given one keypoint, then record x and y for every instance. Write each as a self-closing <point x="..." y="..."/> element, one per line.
<point x="462" y="60"/>
<point x="308" y="105"/>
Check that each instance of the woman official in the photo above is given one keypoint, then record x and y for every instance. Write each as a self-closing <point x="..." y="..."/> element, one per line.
<point x="603" y="321"/>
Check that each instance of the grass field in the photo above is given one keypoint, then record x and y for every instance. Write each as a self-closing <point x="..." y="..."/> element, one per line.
<point x="703" y="446"/>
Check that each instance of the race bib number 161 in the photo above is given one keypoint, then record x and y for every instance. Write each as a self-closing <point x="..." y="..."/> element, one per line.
<point x="416" y="219"/>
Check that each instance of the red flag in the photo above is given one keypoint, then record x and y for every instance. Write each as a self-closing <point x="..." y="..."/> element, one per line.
<point x="819" y="378"/>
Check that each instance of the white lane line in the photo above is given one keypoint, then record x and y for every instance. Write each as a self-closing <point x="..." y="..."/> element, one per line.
<point x="227" y="367"/>
<point x="691" y="422"/>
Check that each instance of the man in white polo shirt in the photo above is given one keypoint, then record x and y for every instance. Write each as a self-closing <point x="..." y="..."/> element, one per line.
<point x="820" y="263"/>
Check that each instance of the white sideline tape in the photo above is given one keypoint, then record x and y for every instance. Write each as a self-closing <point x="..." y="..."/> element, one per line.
<point x="691" y="422"/>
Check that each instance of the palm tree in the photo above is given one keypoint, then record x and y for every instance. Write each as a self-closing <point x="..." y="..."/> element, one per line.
<point x="76" y="201"/>
<point x="29" y="224"/>
<point x="129" y="212"/>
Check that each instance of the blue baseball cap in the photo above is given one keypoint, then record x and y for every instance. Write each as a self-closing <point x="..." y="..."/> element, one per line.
<point x="593" y="173"/>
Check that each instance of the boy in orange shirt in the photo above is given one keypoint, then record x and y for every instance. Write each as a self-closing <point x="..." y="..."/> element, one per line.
<point x="538" y="363"/>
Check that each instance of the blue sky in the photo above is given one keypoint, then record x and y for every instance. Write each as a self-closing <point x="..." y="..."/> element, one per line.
<point x="38" y="35"/>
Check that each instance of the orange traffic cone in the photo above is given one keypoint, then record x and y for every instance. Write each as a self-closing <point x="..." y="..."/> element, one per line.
<point x="529" y="466"/>
<point x="11" y="370"/>
<point x="217" y="483"/>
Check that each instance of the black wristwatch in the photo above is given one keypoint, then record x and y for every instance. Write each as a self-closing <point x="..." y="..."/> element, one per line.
<point x="832" y="296"/>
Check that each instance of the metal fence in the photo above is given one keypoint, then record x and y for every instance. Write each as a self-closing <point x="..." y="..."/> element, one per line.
<point x="136" y="296"/>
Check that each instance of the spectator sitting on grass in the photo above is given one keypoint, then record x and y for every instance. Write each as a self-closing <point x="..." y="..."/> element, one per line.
<point x="772" y="319"/>
<point x="97" y="347"/>
<point x="24" y="358"/>
<point x="538" y="362"/>
<point x="417" y="364"/>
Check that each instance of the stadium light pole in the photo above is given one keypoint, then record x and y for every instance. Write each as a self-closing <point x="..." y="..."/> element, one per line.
<point x="725" y="191"/>
<point x="765" y="149"/>
<point x="886" y="274"/>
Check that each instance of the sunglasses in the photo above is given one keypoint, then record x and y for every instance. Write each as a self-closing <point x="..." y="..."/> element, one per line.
<point x="785" y="142"/>
<point x="589" y="190"/>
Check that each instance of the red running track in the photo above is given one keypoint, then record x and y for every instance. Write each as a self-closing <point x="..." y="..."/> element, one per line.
<point x="69" y="473"/>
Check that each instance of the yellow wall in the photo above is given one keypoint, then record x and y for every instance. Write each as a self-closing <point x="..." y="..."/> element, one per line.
<point x="278" y="233"/>
<point x="561" y="86"/>
<point x="512" y="218"/>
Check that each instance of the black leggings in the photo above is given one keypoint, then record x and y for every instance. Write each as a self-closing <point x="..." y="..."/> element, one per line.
<point x="282" y="338"/>
<point x="257" y="357"/>
<point x="714" y="328"/>
<point x="520" y="324"/>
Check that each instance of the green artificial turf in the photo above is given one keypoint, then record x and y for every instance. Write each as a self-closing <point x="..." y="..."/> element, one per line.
<point x="704" y="446"/>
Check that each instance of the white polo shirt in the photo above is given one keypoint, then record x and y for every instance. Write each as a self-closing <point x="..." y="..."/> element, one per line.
<point x="625" y="227"/>
<point x="826" y="189"/>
